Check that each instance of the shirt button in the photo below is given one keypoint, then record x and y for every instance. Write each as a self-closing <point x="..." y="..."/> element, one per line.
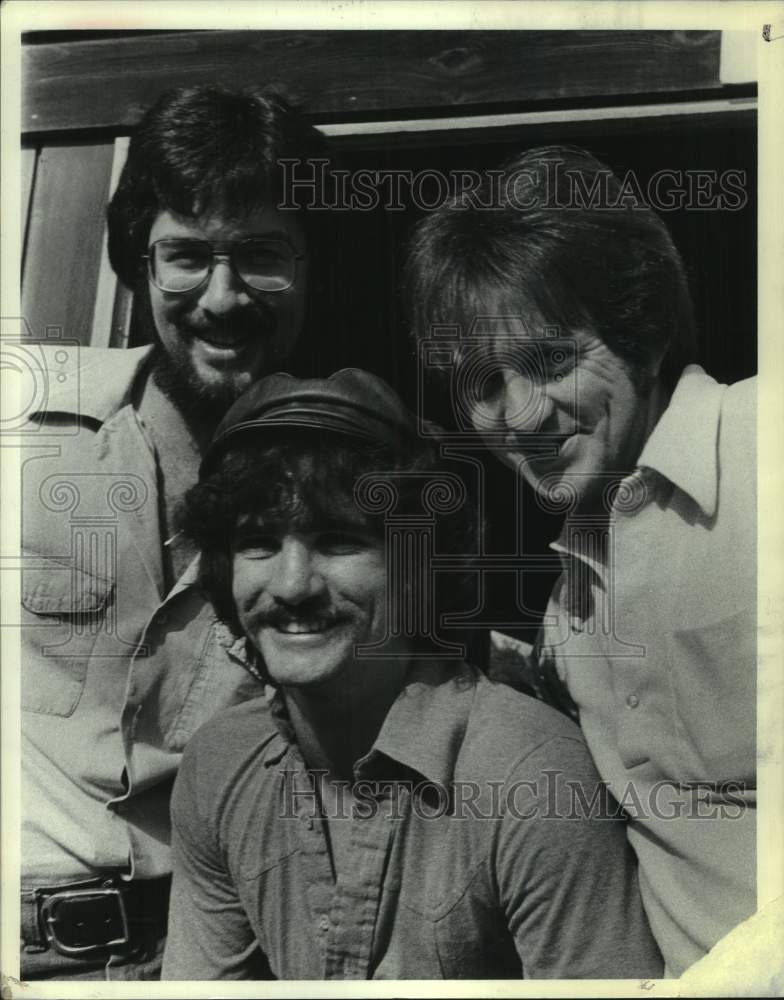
<point x="577" y="624"/>
<point x="632" y="701"/>
<point x="324" y="923"/>
<point x="308" y="823"/>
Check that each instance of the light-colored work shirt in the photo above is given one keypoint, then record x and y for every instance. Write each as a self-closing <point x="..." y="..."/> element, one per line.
<point x="479" y="849"/>
<point x="652" y="629"/>
<point x="116" y="675"/>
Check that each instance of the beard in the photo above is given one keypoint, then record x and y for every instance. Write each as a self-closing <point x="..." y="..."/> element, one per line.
<point x="201" y="403"/>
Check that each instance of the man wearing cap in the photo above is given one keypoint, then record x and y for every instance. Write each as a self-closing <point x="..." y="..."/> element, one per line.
<point x="122" y="658"/>
<point x="391" y="813"/>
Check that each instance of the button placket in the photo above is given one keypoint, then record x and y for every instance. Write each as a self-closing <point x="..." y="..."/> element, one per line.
<point x="357" y="898"/>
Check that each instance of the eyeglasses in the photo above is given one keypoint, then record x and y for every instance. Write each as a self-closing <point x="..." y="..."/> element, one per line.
<point x="183" y="265"/>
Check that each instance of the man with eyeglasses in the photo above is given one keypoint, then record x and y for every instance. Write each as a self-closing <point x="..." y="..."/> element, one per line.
<point x="122" y="658"/>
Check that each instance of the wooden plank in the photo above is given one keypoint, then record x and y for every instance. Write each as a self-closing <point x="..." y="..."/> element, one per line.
<point x="121" y="317"/>
<point x="107" y="83"/>
<point x="481" y="128"/>
<point x="107" y="285"/>
<point x="64" y="244"/>
<point x="29" y="156"/>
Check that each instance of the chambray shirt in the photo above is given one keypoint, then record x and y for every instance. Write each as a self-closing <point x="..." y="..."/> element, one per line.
<point x="116" y="674"/>
<point x="652" y="629"/>
<point x="527" y="880"/>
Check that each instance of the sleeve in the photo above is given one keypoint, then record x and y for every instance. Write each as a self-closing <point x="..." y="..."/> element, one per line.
<point x="567" y="876"/>
<point x="210" y="936"/>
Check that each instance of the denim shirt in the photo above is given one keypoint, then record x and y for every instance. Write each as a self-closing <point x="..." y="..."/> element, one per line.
<point x="480" y="849"/>
<point x="116" y="674"/>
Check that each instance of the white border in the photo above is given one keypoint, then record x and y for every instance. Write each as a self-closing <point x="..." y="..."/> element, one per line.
<point x="20" y="15"/>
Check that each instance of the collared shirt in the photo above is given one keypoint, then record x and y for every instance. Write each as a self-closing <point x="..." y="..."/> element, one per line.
<point x="652" y="629"/>
<point x="116" y="675"/>
<point x="477" y="849"/>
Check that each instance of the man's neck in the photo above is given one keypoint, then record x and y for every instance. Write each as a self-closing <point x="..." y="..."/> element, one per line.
<point x="175" y="432"/>
<point x="336" y="723"/>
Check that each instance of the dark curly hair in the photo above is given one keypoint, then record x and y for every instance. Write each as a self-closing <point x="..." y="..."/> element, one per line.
<point x="305" y="481"/>
<point x="207" y="149"/>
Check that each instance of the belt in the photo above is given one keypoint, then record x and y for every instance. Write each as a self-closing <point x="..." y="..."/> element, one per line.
<point x="99" y="915"/>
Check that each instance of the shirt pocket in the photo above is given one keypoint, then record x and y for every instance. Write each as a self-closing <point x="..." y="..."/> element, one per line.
<point x="459" y="915"/>
<point x="714" y="679"/>
<point x="64" y="609"/>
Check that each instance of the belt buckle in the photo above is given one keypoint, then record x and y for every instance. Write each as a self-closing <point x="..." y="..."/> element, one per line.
<point x="71" y="918"/>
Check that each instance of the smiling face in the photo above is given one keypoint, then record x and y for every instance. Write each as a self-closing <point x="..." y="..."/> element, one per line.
<point x="223" y="335"/>
<point x="306" y="598"/>
<point x="576" y="425"/>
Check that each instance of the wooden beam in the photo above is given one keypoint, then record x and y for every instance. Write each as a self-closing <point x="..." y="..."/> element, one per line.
<point x="103" y="333"/>
<point x="28" y="162"/>
<point x="64" y="242"/>
<point x="337" y="75"/>
<point x="478" y="125"/>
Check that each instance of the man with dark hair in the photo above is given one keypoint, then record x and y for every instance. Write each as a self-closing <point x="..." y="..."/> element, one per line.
<point x="392" y="813"/>
<point x="122" y="658"/>
<point x="575" y="365"/>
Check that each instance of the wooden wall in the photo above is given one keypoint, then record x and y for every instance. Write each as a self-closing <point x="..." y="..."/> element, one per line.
<point x="108" y="82"/>
<point x="391" y="98"/>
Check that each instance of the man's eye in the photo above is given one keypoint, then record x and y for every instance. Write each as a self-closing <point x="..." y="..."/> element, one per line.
<point x="342" y="543"/>
<point x="189" y="262"/>
<point x="262" y="255"/>
<point x="559" y="364"/>
<point x="490" y="386"/>
<point x="257" y="546"/>
<point x="186" y="256"/>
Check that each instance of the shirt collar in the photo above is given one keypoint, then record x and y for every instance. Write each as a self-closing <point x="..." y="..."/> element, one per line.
<point x="684" y="444"/>
<point x="96" y="384"/>
<point x="423" y="730"/>
<point x="426" y="725"/>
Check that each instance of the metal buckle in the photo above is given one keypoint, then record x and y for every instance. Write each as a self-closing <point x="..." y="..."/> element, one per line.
<point x="81" y="921"/>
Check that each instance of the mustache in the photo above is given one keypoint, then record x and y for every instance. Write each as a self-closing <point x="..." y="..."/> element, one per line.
<point x="322" y="614"/>
<point x="245" y="327"/>
<point x="250" y="321"/>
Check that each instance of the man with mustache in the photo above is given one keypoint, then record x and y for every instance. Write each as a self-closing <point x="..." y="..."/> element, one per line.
<point x="577" y="366"/>
<point x="392" y="813"/>
<point x="122" y="658"/>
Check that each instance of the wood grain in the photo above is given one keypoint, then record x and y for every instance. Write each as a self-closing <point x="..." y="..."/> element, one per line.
<point x="107" y="83"/>
<point x="27" y="173"/>
<point x="64" y="242"/>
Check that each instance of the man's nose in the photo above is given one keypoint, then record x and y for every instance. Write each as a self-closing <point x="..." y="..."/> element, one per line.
<point x="224" y="291"/>
<point x="295" y="576"/>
